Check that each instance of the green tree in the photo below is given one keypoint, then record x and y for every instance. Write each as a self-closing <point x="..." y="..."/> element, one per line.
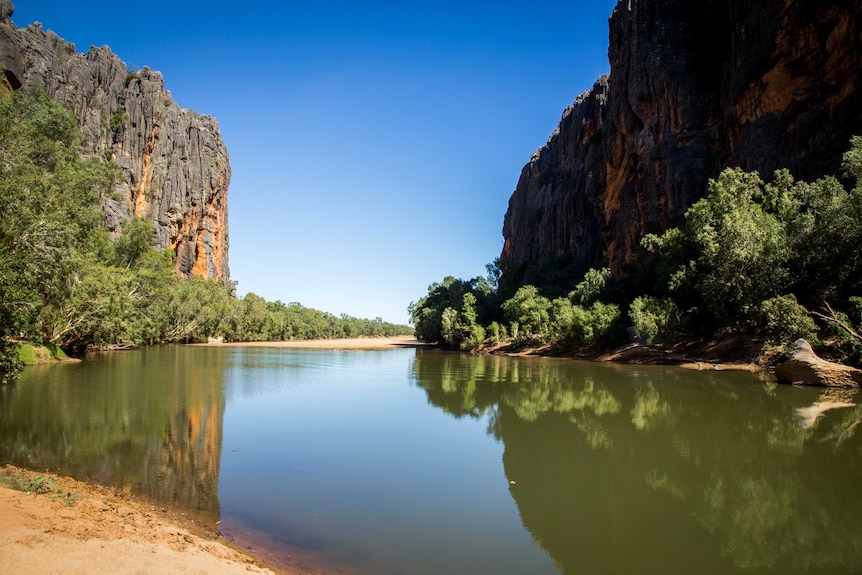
<point x="783" y="320"/>
<point x="591" y="287"/>
<point x="136" y="239"/>
<point x="48" y="209"/>
<point x="460" y="328"/>
<point x="653" y="318"/>
<point x="530" y="310"/>
<point x="427" y="313"/>
<point x="200" y="309"/>
<point x="743" y="248"/>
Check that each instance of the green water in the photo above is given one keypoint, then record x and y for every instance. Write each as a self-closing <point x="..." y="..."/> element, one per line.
<point x="420" y="462"/>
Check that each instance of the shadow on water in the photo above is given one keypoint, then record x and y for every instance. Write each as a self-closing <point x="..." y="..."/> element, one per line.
<point x="148" y="421"/>
<point x="618" y="469"/>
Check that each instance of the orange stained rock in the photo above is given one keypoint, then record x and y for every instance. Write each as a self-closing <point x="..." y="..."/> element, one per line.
<point x="139" y="195"/>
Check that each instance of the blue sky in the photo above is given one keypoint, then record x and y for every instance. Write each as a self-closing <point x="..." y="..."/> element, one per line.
<point x="374" y="146"/>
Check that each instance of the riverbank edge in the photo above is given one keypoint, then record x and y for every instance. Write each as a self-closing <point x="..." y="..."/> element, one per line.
<point x="725" y="354"/>
<point x="44" y="513"/>
<point x="728" y="354"/>
<point x="357" y="343"/>
<point x="731" y="353"/>
<point x="39" y="354"/>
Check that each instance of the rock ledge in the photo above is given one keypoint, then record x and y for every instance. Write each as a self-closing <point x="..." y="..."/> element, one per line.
<point x="804" y="367"/>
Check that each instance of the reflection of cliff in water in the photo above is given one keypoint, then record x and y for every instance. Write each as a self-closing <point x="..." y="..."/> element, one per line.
<point x="670" y="470"/>
<point x="148" y="421"/>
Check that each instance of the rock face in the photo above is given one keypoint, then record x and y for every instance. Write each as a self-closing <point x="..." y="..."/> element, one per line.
<point x="804" y="367"/>
<point x="694" y="87"/>
<point x="175" y="162"/>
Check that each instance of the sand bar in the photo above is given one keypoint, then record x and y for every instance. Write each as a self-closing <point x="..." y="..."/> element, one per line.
<point x="347" y="343"/>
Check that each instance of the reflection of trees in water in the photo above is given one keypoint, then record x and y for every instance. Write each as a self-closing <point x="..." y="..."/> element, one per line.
<point x="649" y="410"/>
<point x="698" y="471"/>
<point x="150" y="421"/>
<point x="790" y="501"/>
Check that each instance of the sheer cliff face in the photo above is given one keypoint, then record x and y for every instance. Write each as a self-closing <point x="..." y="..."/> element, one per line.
<point x="694" y="87"/>
<point x="176" y="165"/>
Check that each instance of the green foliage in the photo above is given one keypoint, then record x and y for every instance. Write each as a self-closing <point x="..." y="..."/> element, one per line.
<point x="118" y="121"/>
<point x="598" y="326"/>
<point x="826" y="238"/>
<point x="48" y="211"/>
<point x="590" y="289"/>
<point x="10" y="362"/>
<point x="136" y="239"/>
<point x="495" y="333"/>
<point x="667" y="262"/>
<point x="653" y="319"/>
<point x="783" y="321"/>
<point x="530" y="310"/>
<point x="852" y="164"/>
<point x="33" y="354"/>
<point x="748" y="242"/>
<point x="742" y="247"/>
<point x="561" y="322"/>
<point x="460" y="326"/>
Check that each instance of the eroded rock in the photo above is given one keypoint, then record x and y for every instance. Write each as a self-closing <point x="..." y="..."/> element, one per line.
<point x="176" y="164"/>
<point x="804" y="367"/>
<point x="694" y="87"/>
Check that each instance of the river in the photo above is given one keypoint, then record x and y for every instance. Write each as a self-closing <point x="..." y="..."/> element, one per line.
<point x="418" y="461"/>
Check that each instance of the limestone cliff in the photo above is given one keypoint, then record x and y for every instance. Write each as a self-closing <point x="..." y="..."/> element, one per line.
<point x="175" y="163"/>
<point x="694" y="87"/>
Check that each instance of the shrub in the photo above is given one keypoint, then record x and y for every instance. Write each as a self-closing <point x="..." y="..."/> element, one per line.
<point x="530" y="310"/>
<point x="653" y="318"/>
<point x="118" y="120"/>
<point x="600" y="325"/>
<point x="590" y="288"/>
<point x="496" y="332"/>
<point x="783" y="320"/>
<point x="10" y="363"/>
<point x="607" y="324"/>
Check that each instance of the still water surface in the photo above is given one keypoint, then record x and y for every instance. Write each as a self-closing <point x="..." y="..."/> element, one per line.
<point x="425" y="462"/>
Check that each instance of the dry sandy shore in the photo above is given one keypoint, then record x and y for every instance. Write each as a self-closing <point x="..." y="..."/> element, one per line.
<point x="354" y="343"/>
<point x="62" y="526"/>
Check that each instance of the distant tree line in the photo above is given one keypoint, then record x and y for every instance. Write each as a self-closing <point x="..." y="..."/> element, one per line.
<point x="65" y="282"/>
<point x="768" y="261"/>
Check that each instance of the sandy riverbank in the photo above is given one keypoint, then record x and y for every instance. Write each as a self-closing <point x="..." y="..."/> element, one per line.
<point x="723" y="355"/>
<point x="348" y="343"/>
<point x="64" y="526"/>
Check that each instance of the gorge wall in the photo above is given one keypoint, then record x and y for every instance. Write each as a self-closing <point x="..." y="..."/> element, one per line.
<point x="694" y="87"/>
<point x="175" y="163"/>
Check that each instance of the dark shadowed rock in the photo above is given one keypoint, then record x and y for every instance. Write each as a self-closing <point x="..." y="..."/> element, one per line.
<point x="11" y="60"/>
<point x="176" y="165"/>
<point x="804" y="367"/>
<point x="694" y="87"/>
